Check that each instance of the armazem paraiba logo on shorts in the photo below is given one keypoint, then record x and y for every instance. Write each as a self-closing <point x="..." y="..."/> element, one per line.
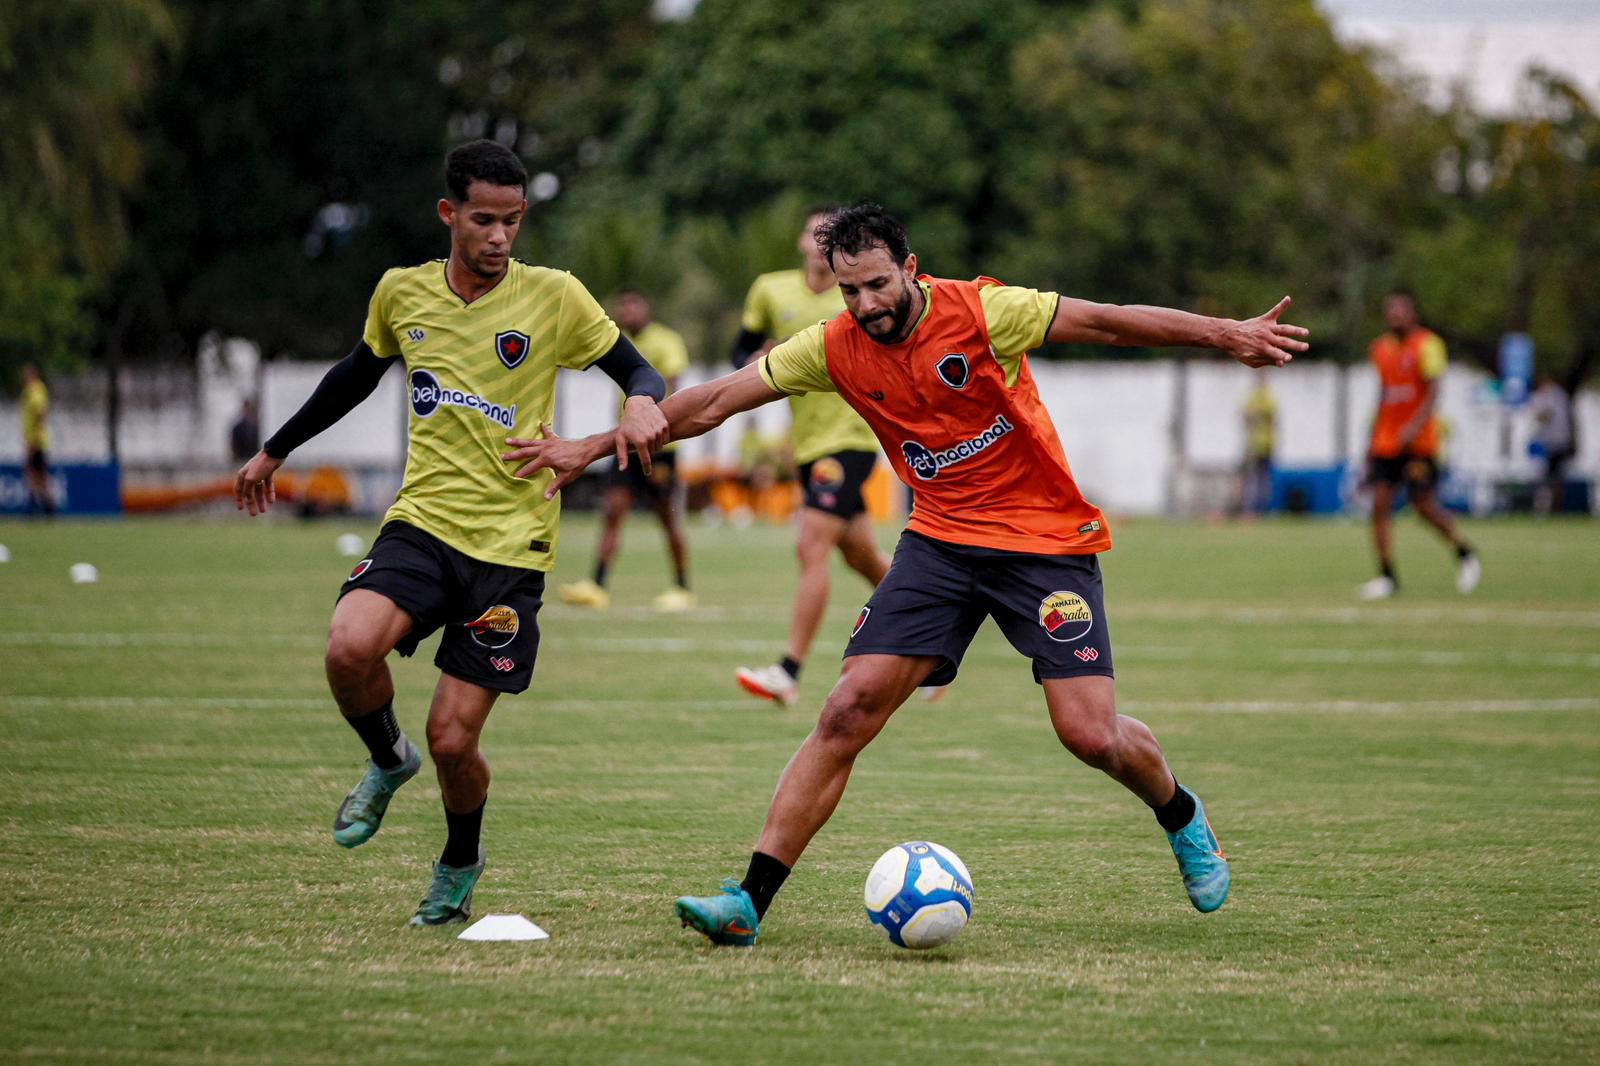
<point x="1065" y="616"/>
<point x="428" y="395"/>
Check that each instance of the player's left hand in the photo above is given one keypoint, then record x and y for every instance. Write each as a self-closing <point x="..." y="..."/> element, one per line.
<point x="1263" y="340"/>
<point x="567" y="459"/>
<point x="253" y="489"/>
<point x="643" y="428"/>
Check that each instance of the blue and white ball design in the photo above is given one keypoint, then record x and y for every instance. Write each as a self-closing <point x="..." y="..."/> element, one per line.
<point x="920" y="894"/>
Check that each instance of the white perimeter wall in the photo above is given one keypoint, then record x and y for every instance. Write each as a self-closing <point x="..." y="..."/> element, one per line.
<point x="1119" y="420"/>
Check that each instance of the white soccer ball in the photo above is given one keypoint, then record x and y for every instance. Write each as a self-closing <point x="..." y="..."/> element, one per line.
<point x="920" y="894"/>
<point x="350" y="545"/>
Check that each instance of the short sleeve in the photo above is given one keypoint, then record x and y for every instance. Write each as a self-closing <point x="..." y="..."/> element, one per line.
<point x="378" y="335"/>
<point x="1017" y="320"/>
<point x="756" y="318"/>
<point x="798" y="365"/>
<point x="584" y="331"/>
<point x="1433" y="358"/>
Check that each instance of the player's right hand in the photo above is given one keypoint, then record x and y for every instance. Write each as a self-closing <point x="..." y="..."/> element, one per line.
<point x="252" y="485"/>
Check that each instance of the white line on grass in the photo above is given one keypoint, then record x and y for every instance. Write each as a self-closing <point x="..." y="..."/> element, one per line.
<point x="1223" y="612"/>
<point x="1359" y="706"/>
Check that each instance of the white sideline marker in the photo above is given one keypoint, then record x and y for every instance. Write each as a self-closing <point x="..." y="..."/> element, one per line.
<point x="503" y="927"/>
<point x="5" y="554"/>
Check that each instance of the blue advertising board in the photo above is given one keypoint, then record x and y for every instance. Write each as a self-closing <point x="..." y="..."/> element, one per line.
<point x="78" y="488"/>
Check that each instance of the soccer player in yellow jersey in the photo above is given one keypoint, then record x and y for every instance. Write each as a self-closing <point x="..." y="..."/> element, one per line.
<point x="665" y="350"/>
<point x="36" y="440"/>
<point x="833" y="447"/>
<point x="466" y="546"/>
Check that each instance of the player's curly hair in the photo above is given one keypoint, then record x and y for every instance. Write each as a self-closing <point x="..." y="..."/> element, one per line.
<point x="860" y="227"/>
<point x="485" y="161"/>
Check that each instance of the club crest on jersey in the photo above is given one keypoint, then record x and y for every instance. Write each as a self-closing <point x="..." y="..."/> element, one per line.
<point x="495" y="628"/>
<point x="861" y="620"/>
<point x="926" y="463"/>
<point x="511" y="347"/>
<point x="427" y="396"/>
<point x="1065" y="617"/>
<point x="953" y="370"/>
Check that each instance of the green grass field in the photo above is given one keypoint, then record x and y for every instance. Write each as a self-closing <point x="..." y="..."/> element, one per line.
<point x="1407" y="791"/>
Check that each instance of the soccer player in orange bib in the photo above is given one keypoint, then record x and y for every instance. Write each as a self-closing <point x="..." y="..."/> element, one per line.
<point x="938" y="370"/>
<point x="1410" y="361"/>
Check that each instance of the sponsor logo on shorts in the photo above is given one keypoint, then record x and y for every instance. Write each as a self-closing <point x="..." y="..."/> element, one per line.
<point x="495" y="628"/>
<point x="1087" y="654"/>
<point x="502" y="664"/>
<point x="827" y="474"/>
<point x="511" y="347"/>
<point x="1066" y="617"/>
<point x="861" y="620"/>
<point x="427" y="396"/>
<point x="362" y="567"/>
<point x="953" y="370"/>
<point x="926" y="463"/>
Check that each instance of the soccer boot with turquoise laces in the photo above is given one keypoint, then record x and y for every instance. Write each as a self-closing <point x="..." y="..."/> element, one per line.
<point x="1200" y="860"/>
<point x="449" y="897"/>
<point x="727" y="918"/>
<point x="361" y="813"/>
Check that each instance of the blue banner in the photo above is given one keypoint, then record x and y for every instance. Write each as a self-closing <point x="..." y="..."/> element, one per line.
<point x="1516" y="367"/>
<point x="78" y="488"/>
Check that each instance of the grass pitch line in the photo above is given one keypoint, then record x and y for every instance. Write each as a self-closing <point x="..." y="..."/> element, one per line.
<point x="1363" y="616"/>
<point x="1360" y="706"/>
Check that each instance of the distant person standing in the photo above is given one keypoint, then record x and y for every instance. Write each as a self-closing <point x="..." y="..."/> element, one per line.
<point x="245" y="436"/>
<point x="1410" y="361"/>
<point x="833" y="447"/>
<point x="665" y="350"/>
<point x="1260" y="438"/>
<point x="36" y="441"/>
<point x="1552" y="432"/>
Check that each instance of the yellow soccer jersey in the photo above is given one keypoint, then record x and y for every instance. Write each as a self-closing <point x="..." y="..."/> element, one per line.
<point x="778" y="305"/>
<point x="664" y="349"/>
<point x="477" y="374"/>
<point x="1017" y="319"/>
<point x="35" y="405"/>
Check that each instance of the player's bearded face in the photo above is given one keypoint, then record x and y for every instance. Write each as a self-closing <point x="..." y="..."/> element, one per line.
<point x="880" y="293"/>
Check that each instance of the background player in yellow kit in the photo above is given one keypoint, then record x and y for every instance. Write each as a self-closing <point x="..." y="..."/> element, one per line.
<point x="833" y="447"/>
<point x="466" y="546"/>
<point x="665" y="350"/>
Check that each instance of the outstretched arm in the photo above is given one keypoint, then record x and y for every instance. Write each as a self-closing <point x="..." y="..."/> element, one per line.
<point x="688" y="413"/>
<point x="1259" y="341"/>
<point x="341" y="389"/>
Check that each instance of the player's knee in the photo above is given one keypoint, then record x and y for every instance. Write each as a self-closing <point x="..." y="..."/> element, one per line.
<point x="849" y="717"/>
<point x="350" y="660"/>
<point x="449" y="743"/>
<point x="1092" y="738"/>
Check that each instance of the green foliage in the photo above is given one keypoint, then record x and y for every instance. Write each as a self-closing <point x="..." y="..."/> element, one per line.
<point x="74" y="73"/>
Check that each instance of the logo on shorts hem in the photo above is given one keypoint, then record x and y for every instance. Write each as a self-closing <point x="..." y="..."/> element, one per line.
<point x="1087" y="654"/>
<point x="1066" y="617"/>
<point x="362" y="567"/>
<point x="502" y="663"/>
<point x="861" y="620"/>
<point x="495" y="628"/>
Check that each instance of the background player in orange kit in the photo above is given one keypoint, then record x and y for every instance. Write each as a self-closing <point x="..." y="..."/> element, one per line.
<point x="1410" y="360"/>
<point x="938" y="369"/>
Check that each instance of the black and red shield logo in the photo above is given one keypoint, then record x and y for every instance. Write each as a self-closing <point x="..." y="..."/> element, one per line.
<point x="861" y="620"/>
<point x="511" y="347"/>
<point x="362" y="567"/>
<point x="953" y="370"/>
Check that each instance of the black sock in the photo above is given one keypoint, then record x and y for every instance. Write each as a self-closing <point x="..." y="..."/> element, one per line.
<point x="461" y="846"/>
<point x="1388" y="572"/>
<point x="599" y="579"/>
<point x="1463" y="550"/>
<point x="765" y="876"/>
<point x="1178" y="811"/>
<point x="381" y="734"/>
<point x="790" y="666"/>
<point x="683" y="576"/>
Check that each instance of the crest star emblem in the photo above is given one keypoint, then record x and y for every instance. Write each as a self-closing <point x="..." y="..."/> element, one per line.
<point x="512" y="348"/>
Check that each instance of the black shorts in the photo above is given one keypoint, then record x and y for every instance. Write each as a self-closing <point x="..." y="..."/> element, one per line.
<point x="936" y="595"/>
<point x="489" y="612"/>
<point x="833" y="482"/>
<point x="1416" y="472"/>
<point x="37" y="462"/>
<point x="656" y="485"/>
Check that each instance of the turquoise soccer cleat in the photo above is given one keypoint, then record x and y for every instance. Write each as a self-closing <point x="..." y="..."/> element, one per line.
<point x="449" y="898"/>
<point x="361" y="813"/>
<point x="1200" y="861"/>
<point x="729" y="918"/>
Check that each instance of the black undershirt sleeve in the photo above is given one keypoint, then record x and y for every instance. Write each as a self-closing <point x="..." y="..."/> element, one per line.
<point x="350" y="381"/>
<point x="745" y="347"/>
<point x="635" y="377"/>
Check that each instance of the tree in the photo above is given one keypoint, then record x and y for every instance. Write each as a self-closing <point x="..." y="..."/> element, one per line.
<point x="73" y="71"/>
